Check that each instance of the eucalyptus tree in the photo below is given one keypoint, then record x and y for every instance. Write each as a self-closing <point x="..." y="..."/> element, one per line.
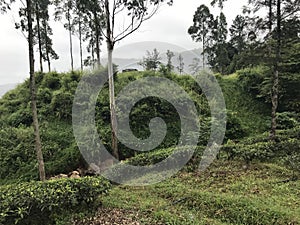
<point x="97" y="26"/>
<point x="27" y="14"/>
<point x="43" y="31"/>
<point x="202" y="25"/>
<point x="222" y="51"/>
<point x="64" y="8"/>
<point x="47" y="44"/>
<point x="79" y="25"/>
<point x="117" y="28"/>
<point x="217" y="48"/>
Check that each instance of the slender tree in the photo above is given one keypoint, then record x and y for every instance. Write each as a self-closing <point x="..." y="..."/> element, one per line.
<point x="26" y="24"/>
<point x="137" y="12"/>
<point x="65" y="7"/>
<point x="38" y="31"/>
<point x="38" y="144"/>
<point x="202" y="25"/>
<point x="239" y="33"/>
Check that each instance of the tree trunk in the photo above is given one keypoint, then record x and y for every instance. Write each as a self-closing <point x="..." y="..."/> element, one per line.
<point x="110" y="48"/>
<point x="37" y="13"/>
<point x="47" y="46"/>
<point x="113" y="119"/>
<point x="203" y="57"/>
<point x="275" y="88"/>
<point x="80" y="45"/>
<point x="70" y="40"/>
<point x="38" y="144"/>
<point x="97" y="35"/>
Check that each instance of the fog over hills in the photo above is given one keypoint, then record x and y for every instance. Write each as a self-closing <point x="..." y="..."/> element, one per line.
<point x="131" y="55"/>
<point x="5" y="88"/>
<point x="125" y="63"/>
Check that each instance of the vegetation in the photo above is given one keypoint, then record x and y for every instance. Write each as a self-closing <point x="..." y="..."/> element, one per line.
<point x="255" y="178"/>
<point x="37" y="202"/>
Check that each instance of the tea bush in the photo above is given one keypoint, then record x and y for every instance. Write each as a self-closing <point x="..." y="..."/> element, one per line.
<point x="38" y="202"/>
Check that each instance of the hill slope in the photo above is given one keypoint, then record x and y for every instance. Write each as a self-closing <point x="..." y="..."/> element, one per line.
<point x="55" y="98"/>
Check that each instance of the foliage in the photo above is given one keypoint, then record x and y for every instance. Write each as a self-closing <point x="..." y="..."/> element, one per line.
<point x="151" y="61"/>
<point x="284" y="150"/>
<point x="39" y="202"/>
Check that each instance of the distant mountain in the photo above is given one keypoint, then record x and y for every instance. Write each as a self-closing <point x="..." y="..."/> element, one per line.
<point x="5" y="88"/>
<point x="188" y="59"/>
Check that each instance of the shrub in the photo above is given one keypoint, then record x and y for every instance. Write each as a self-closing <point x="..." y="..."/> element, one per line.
<point x="287" y="120"/>
<point x="248" y="152"/>
<point x="38" y="202"/>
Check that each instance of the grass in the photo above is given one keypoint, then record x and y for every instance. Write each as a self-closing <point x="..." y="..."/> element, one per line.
<point x="224" y="194"/>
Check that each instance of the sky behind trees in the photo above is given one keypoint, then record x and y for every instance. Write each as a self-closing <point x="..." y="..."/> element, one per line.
<point x="169" y="25"/>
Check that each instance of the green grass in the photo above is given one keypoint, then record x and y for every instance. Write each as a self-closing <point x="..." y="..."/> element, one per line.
<point x="224" y="194"/>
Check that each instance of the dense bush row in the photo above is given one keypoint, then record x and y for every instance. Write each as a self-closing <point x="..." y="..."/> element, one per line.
<point x="39" y="202"/>
<point x="258" y="81"/>
<point x="286" y="148"/>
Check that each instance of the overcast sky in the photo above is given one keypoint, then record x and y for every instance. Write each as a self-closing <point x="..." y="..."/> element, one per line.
<point x="169" y="26"/>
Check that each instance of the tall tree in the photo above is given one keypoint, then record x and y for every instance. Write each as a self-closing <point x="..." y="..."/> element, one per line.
<point x="239" y="33"/>
<point x="202" y="25"/>
<point x="137" y="12"/>
<point x="27" y="17"/>
<point x="38" y="144"/>
<point x="65" y="7"/>
<point x="38" y="28"/>
<point x="43" y="31"/>
<point x="47" y="44"/>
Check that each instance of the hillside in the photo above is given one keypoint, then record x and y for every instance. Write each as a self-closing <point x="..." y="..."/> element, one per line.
<point x="253" y="181"/>
<point x="55" y="97"/>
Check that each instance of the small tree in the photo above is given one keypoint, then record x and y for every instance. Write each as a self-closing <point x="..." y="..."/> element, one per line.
<point x="195" y="67"/>
<point x="151" y="61"/>
<point x="180" y="66"/>
<point x="170" y="55"/>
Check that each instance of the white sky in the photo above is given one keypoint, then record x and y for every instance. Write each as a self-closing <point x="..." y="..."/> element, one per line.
<point x="169" y="25"/>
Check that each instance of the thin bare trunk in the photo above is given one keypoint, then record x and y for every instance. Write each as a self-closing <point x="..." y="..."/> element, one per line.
<point x="93" y="56"/>
<point x="38" y="144"/>
<point x="70" y="40"/>
<point x="203" y="56"/>
<point x="110" y="48"/>
<point x="37" y="11"/>
<point x="97" y="35"/>
<point x="275" y="88"/>
<point x="80" y="45"/>
<point x="112" y="105"/>
<point x="47" y="47"/>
